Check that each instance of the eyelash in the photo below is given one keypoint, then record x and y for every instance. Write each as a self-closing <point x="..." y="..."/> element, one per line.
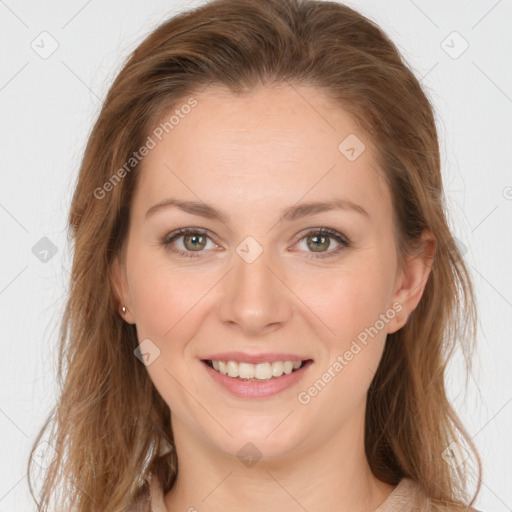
<point x="344" y="241"/>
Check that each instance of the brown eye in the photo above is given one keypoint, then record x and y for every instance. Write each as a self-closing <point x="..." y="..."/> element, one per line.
<point x="194" y="242"/>
<point x="319" y="242"/>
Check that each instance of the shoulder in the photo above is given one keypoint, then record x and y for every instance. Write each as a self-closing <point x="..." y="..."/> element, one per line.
<point x="408" y="495"/>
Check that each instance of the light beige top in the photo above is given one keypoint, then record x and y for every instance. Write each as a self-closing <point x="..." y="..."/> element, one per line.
<point x="407" y="496"/>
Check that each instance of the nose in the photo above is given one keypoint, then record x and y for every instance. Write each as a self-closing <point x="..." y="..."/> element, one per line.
<point x="255" y="297"/>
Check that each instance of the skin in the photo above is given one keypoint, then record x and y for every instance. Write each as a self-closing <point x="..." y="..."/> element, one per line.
<point x="252" y="156"/>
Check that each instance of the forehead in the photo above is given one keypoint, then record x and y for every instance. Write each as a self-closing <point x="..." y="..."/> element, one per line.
<point x="270" y="145"/>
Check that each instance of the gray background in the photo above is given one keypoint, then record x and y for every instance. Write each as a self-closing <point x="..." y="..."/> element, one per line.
<point x="48" y="104"/>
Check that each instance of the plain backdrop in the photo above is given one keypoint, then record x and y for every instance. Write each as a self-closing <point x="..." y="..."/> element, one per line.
<point x="57" y="60"/>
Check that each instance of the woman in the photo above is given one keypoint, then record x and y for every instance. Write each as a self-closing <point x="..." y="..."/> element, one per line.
<point x="265" y="291"/>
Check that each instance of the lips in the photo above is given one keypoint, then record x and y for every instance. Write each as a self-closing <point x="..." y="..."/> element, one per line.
<point x="252" y="389"/>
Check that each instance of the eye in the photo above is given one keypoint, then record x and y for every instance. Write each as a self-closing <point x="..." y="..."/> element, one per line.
<point x="320" y="239"/>
<point x="195" y="240"/>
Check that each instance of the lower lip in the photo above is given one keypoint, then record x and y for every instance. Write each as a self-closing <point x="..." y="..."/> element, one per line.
<point x="247" y="389"/>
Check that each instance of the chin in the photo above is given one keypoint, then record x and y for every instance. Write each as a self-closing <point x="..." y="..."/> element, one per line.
<point x="256" y="442"/>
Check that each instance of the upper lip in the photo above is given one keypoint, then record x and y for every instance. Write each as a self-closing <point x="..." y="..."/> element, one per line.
<point x="242" y="357"/>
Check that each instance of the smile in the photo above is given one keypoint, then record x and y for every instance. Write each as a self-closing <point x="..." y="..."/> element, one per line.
<point x="268" y="379"/>
<point x="256" y="372"/>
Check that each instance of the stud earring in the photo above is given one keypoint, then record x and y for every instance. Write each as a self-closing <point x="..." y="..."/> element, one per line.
<point x="123" y="310"/>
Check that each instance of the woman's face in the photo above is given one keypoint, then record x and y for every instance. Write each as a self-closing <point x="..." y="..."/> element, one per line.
<point x="261" y="281"/>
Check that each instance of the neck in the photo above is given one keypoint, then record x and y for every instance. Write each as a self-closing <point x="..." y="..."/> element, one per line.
<point x="318" y="477"/>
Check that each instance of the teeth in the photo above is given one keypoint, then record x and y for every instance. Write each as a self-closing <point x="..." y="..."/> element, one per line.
<point x="260" y="371"/>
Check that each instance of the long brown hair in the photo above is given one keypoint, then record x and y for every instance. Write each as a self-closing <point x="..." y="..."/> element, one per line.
<point x="110" y="426"/>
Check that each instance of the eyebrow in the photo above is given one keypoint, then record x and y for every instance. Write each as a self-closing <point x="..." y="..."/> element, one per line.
<point x="289" y="214"/>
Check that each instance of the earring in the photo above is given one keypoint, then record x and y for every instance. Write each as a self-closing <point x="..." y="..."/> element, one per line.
<point x="123" y="310"/>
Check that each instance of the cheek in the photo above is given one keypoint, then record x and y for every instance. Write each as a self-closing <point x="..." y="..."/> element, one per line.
<point x="347" y="300"/>
<point x="158" y="305"/>
<point x="353" y="307"/>
<point x="167" y="304"/>
<point x="163" y="297"/>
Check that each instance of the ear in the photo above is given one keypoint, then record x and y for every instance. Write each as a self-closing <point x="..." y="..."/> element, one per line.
<point x="120" y="287"/>
<point x="411" y="281"/>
